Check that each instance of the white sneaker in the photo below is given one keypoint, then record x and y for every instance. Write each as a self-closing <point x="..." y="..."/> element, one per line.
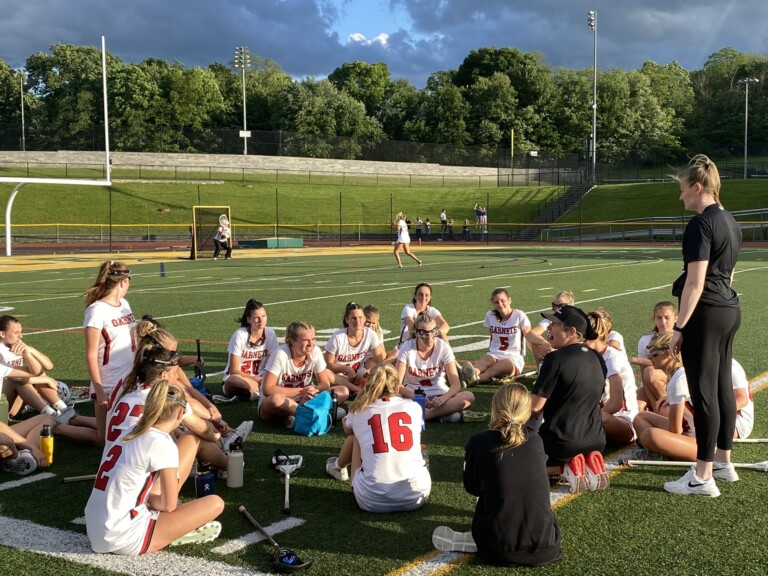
<point x="289" y="422"/>
<point x="724" y="471"/>
<point x="689" y="484"/>
<point x="447" y="540"/>
<point x="597" y="477"/>
<point x="340" y="413"/>
<point x="575" y="474"/>
<point x="22" y="465"/>
<point x="65" y="416"/>
<point x="206" y="533"/>
<point x="333" y="469"/>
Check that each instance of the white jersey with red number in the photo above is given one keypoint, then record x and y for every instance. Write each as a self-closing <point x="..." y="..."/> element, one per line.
<point x="353" y="356"/>
<point x="4" y="371"/>
<point x="508" y="337"/>
<point x="253" y="359"/>
<point x="116" y="516"/>
<point x="409" y="311"/>
<point x="745" y="418"/>
<point x="617" y="363"/>
<point x="9" y="358"/>
<point x="389" y="434"/>
<point x="428" y="374"/>
<point x="677" y="391"/>
<point x="116" y="346"/>
<point x="288" y="374"/>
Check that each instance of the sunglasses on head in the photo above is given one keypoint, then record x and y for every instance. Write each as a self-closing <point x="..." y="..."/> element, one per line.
<point x="176" y="398"/>
<point x="172" y="361"/>
<point x="654" y="351"/>
<point x="426" y="333"/>
<point x="556" y="306"/>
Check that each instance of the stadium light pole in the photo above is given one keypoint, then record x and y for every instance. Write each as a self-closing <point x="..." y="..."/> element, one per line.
<point x="746" y="82"/>
<point x="243" y="63"/>
<point x="592" y="23"/>
<point x="23" y="127"/>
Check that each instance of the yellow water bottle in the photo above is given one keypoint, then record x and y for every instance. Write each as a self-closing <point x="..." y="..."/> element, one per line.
<point x="46" y="444"/>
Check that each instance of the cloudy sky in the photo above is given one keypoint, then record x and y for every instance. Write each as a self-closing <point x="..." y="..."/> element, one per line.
<point x="414" y="37"/>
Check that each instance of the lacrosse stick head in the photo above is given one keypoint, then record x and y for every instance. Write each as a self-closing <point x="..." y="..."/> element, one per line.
<point x="286" y="560"/>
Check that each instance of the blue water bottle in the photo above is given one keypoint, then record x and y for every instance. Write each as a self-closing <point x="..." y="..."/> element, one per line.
<point x="204" y="480"/>
<point x="420" y="397"/>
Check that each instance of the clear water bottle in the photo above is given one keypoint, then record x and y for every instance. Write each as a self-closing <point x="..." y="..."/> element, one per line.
<point x="420" y="397"/>
<point x="204" y="481"/>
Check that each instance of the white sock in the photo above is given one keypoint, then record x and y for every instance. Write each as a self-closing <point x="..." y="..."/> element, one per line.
<point x="48" y="410"/>
<point x="60" y="405"/>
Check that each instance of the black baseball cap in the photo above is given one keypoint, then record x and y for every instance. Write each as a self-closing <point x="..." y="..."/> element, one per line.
<point x="572" y="317"/>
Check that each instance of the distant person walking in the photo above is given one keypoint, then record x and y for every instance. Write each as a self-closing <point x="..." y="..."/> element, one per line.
<point x="403" y="241"/>
<point x="427" y="229"/>
<point x="418" y="223"/>
<point x="709" y="317"/>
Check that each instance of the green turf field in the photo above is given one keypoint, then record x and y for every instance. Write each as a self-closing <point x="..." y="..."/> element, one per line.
<point x="632" y="528"/>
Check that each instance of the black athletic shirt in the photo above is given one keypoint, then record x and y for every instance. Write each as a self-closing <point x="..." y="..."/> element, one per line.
<point x="572" y="379"/>
<point x="715" y="237"/>
<point x="513" y="522"/>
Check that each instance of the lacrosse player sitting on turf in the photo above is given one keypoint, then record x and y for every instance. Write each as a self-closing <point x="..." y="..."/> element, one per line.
<point x="156" y="359"/>
<point x="123" y="515"/>
<point x="427" y="362"/>
<point x="506" y="353"/>
<point x="347" y="349"/>
<point x="383" y="479"/>
<point x="249" y="351"/>
<point x="289" y="373"/>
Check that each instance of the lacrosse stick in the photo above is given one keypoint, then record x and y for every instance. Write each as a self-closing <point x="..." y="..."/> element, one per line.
<point x="760" y="466"/>
<point x="286" y="465"/>
<point x="751" y="440"/>
<point x="285" y="560"/>
<point x="86" y="478"/>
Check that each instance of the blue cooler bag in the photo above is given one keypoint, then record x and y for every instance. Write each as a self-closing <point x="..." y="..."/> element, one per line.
<point x="313" y="418"/>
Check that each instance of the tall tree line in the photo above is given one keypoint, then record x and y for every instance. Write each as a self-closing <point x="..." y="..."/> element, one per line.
<point x="658" y="112"/>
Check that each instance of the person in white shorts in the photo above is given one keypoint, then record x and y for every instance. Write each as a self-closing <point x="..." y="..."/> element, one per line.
<point x="403" y="241"/>
<point x="348" y="349"/>
<point x="673" y="436"/>
<point x="421" y="302"/>
<point x="35" y="388"/>
<point x="288" y="379"/>
<point x="426" y="362"/>
<point x="618" y="405"/>
<point x="109" y="343"/>
<point x="383" y="447"/>
<point x="537" y="337"/>
<point x="654" y="382"/>
<point x="506" y="353"/>
<point x="121" y="516"/>
<point x="249" y="350"/>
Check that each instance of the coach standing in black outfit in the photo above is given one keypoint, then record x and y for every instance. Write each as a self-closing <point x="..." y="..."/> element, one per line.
<point x="708" y="320"/>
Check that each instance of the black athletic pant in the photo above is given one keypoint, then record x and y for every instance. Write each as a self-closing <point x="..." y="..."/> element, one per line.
<point x="707" y="352"/>
<point x="219" y="244"/>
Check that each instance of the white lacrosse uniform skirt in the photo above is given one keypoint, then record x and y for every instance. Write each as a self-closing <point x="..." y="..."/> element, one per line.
<point x="403" y="496"/>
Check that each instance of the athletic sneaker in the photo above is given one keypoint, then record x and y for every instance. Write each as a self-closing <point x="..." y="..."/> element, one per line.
<point x="65" y="416"/>
<point x="206" y="533"/>
<point x="451" y="418"/>
<point x="574" y="474"/>
<point x="469" y="373"/>
<point x="22" y="465"/>
<point x="340" y="413"/>
<point x="724" y="471"/>
<point x="333" y="469"/>
<point x="597" y="477"/>
<point x="471" y="416"/>
<point x="244" y="429"/>
<point x="289" y="422"/>
<point x="690" y="484"/>
<point x="221" y="399"/>
<point x="447" y="540"/>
